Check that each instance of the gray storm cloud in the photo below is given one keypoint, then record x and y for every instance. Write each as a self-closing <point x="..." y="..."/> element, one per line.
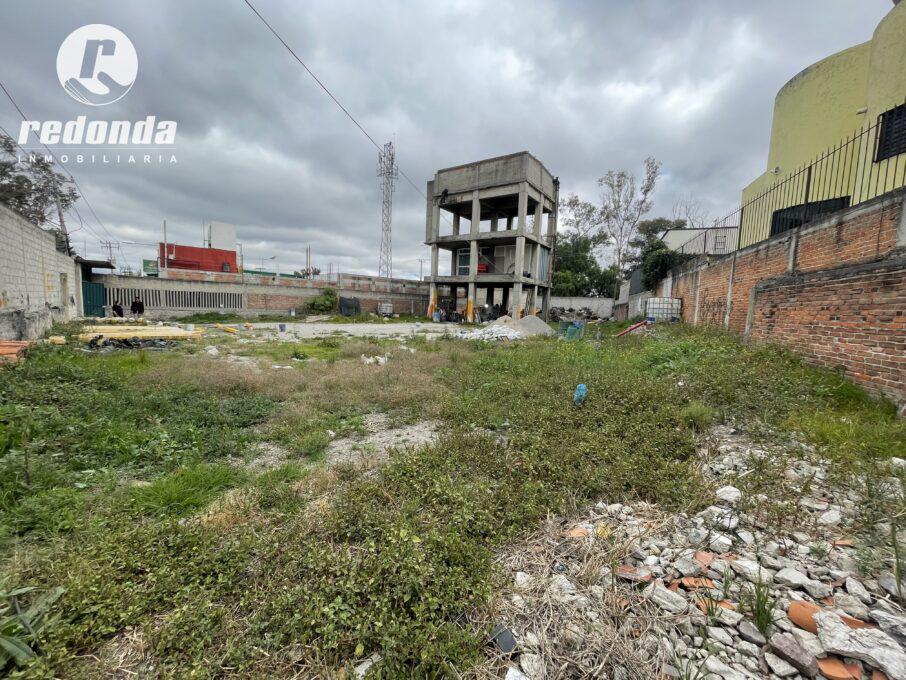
<point x="585" y="86"/>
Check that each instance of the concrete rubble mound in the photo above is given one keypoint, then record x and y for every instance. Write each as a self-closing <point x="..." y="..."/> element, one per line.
<point x="505" y="328"/>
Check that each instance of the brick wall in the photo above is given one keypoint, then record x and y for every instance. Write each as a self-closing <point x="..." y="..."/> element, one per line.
<point x="38" y="284"/>
<point x="832" y="290"/>
<point x="847" y="317"/>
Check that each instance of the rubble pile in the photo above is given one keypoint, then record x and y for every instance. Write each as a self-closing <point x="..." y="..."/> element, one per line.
<point x="630" y="591"/>
<point x="506" y="328"/>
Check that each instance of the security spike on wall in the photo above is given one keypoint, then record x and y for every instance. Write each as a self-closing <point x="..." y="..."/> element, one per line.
<point x="388" y="171"/>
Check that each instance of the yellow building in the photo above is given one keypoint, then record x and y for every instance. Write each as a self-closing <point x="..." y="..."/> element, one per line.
<point x="838" y="136"/>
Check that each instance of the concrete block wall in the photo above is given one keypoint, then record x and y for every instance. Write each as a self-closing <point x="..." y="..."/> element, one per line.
<point x="601" y="306"/>
<point x="832" y="290"/>
<point x="172" y="297"/>
<point x="38" y="284"/>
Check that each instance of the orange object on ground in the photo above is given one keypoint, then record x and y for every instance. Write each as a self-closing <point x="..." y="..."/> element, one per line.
<point x="631" y="328"/>
<point x="833" y="668"/>
<point x="802" y="613"/>
<point x="12" y="350"/>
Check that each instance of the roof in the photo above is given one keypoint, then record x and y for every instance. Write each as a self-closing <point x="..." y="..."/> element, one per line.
<point x="100" y="264"/>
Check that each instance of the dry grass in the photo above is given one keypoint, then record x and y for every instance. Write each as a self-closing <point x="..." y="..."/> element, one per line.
<point x="408" y="384"/>
<point x="602" y="627"/>
<point x="220" y="377"/>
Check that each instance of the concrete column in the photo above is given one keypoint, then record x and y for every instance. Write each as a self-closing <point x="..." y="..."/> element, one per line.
<point x="519" y="266"/>
<point x="494" y="223"/>
<point x="470" y="303"/>
<point x="523" y="207"/>
<point x="546" y="304"/>
<point x="519" y="263"/>
<point x="453" y="263"/>
<point x="432" y="299"/>
<point x="435" y="254"/>
<point x="435" y="222"/>
<point x="456" y="224"/>
<point x="539" y="213"/>
<point x="509" y="222"/>
<point x="476" y="214"/>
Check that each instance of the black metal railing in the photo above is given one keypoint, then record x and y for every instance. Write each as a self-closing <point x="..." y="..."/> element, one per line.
<point x="869" y="163"/>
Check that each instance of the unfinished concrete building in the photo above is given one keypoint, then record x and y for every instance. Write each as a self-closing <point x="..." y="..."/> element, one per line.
<point x="497" y="219"/>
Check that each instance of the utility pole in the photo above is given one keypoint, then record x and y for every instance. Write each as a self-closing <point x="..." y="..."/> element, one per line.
<point x="421" y="262"/>
<point x="388" y="171"/>
<point x="164" y="263"/>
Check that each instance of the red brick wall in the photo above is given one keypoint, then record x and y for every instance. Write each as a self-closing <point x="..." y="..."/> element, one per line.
<point x="865" y="236"/>
<point x="813" y="289"/>
<point x="848" y="317"/>
<point x="753" y="266"/>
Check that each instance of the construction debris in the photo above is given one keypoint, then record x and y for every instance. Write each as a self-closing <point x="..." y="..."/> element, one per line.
<point x="12" y="350"/>
<point x="505" y="328"/>
<point x="102" y="343"/>
<point x="643" y="593"/>
<point x="132" y="332"/>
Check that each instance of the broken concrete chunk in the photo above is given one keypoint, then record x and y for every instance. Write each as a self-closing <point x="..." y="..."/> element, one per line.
<point x="719" y="668"/>
<point x="750" y="633"/>
<point x="856" y="589"/>
<point x="720" y="543"/>
<point x="514" y="674"/>
<point x="830" y="518"/>
<point x="787" y="648"/>
<point x="778" y="666"/>
<point x="667" y="599"/>
<point x="871" y="645"/>
<point x="362" y="669"/>
<point x="796" y="579"/>
<point x="893" y="625"/>
<point x="752" y="571"/>
<point x="729" y="494"/>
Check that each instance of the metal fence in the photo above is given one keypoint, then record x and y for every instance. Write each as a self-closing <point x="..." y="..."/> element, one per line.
<point x="867" y="164"/>
<point x="717" y="241"/>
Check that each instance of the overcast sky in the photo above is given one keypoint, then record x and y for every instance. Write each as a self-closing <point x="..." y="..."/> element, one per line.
<point x="585" y="86"/>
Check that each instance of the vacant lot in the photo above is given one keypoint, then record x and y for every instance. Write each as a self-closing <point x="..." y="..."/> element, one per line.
<point x="134" y="482"/>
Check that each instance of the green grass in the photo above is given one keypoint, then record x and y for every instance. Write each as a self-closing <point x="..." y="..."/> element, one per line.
<point x="185" y="489"/>
<point x="341" y="565"/>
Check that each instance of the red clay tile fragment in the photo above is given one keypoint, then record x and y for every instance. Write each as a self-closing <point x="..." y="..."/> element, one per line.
<point x="801" y="613"/>
<point x="628" y="573"/>
<point x="843" y="543"/>
<point x="878" y="675"/>
<point x="694" y="582"/>
<point x="833" y="668"/>
<point x="704" y="558"/>
<point x="578" y="532"/>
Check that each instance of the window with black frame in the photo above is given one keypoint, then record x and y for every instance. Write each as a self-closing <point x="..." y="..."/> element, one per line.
<point x="891" y="133"/>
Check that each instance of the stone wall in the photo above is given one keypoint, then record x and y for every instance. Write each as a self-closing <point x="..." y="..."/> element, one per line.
<point x="832" y="290"/>
<point x="38" y="284"/>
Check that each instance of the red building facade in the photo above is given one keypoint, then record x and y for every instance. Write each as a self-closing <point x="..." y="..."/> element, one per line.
<point x="199" y="259"/>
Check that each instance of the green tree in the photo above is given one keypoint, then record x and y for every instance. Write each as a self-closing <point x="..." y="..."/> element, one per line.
<point x="647" y="238"/>
<point x="576" y="270"/>
<point x="30" y="186"/>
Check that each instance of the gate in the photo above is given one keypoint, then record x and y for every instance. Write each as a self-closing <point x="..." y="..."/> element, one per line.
<point x="93" y="298"/>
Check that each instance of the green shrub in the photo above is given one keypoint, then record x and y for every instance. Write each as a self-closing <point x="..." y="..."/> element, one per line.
<point x="698" y="416"/>
<point x="325" y="302"/>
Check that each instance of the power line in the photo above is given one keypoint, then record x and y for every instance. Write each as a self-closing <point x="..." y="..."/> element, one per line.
<point x="328" y="92"/>
<point x="57" y="160"/>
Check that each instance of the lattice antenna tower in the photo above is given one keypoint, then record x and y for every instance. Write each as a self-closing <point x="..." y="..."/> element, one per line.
<point x="389" y="172"/>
